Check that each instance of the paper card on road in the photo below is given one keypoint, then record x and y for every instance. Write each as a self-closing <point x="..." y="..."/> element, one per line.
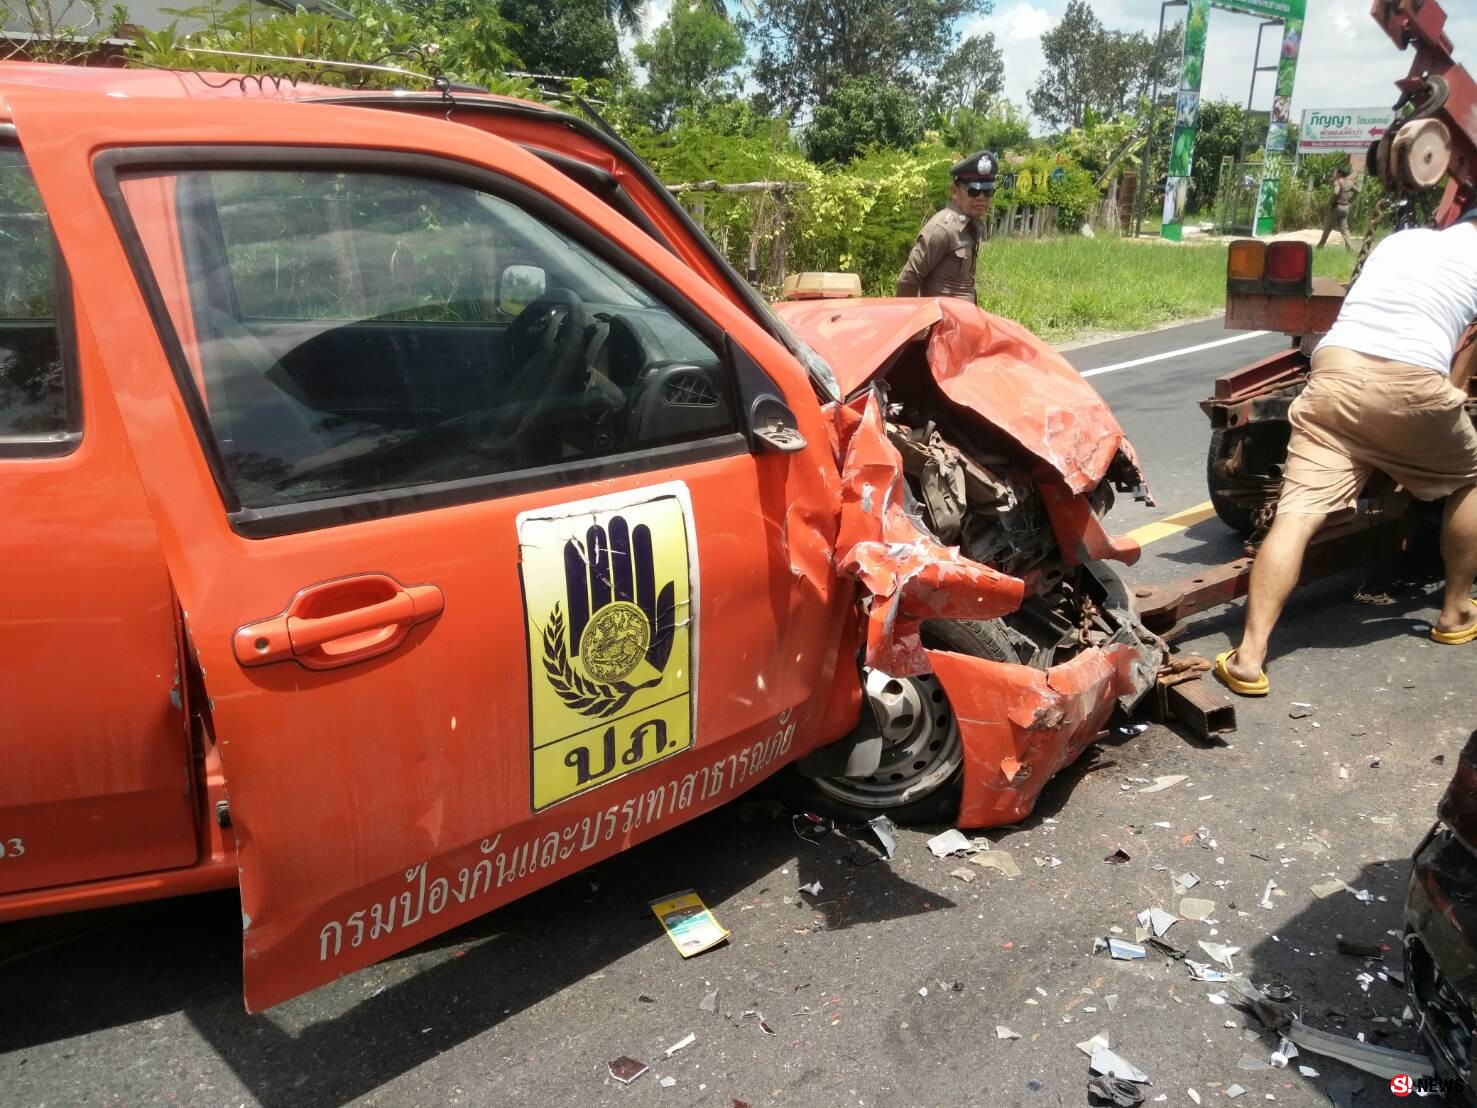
<point x="688" y="923"/>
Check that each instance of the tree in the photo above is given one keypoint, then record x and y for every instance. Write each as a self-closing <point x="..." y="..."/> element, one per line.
<point x="690" y="58"/>
<point x="998" y="126"/>
<point x="806" y="48"/>
<point x="566" y="38"/>
<point x="1092" y="70"/>
<point x="862" y="113"/>
<point x="971" y="77"/>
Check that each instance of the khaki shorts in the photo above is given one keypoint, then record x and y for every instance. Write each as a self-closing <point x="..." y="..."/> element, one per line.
<point x="1359" y="414"/>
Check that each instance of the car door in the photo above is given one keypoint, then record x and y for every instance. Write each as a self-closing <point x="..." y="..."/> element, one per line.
<point x="92" y="724"/>
<point x="467" y="623"/>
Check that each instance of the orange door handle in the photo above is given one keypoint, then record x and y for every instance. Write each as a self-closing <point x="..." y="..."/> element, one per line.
<point x="337" y="623"/>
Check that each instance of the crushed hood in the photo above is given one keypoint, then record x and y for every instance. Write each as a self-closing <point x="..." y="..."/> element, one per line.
<point x="991" y="366"/>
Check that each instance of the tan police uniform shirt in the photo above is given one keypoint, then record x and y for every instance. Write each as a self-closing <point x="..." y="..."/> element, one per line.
<point x="943" y="259"/>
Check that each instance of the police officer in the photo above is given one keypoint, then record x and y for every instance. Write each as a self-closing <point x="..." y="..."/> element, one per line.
<point x="1342" y="198"/>
<point x="943" y="258"/>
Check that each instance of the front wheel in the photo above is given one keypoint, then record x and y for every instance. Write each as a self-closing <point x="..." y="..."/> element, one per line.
<point x="921" y="775"/>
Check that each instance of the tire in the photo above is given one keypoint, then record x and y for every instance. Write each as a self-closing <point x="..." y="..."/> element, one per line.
<point x="929" y="755"/>
<point x="1235" y="516"/>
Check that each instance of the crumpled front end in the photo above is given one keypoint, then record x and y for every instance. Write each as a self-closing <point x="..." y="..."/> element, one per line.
<point x="976" y="466"/>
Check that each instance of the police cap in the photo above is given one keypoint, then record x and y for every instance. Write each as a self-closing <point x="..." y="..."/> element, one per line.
<point x="978" y="168"/>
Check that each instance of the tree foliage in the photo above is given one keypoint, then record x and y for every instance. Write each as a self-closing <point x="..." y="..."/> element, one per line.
<point x="862" y="113"/>
<point x="971" y="77"/>
<point x="999" y="125"/>
<point x="568" y="38"/>
<point x="806" y="48"/>
<point x="473" y="48"/>
<point x="691" y="58"/>
<point x="1092" y="71"/>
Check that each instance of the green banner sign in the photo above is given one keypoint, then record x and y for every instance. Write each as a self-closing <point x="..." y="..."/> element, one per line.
<point x="1187" y="107"/>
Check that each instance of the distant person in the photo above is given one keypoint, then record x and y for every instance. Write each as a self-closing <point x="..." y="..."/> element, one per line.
<point x="1379" y="398"/>
<point x="1339" y="203"/>
<point x="943" y="259"/>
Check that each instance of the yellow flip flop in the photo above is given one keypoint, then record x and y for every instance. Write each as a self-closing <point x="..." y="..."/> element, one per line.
<point x="1455" y="638"/>
<point x="1259" y="687"/>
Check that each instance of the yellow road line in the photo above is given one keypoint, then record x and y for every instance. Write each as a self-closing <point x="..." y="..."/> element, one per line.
<point x="1171" y="525"/>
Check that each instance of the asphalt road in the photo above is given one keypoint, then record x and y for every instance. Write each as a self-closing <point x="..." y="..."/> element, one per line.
<point x="142" y="1006"/>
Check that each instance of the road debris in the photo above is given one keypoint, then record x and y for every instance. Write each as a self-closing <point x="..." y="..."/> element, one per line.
<point x="814" y="888"/>
<point x="1286" y="1051"/>
<point x="1202" y="971"/>
<point x="1358" y="948"/>
<point x="886" y="832"/>
<point x="1267" y="895"/>
<point x="951" y="842"/>
<point x="1194" y="908"/>
<point x="1165" y="947"/>
<point x="709" y="1003"/>
<point x="1299" y="710"/>
<point x="1118" y="857"/>
<point x="1115" y="1091"/>
<point x="1107" y="1063"/>
<point x="1157" y="920"/>
<point x="1185" y="882"/>
<point x="667" y="1082"/>
<point x="964" y="873"/>
<point x="997" y="859"/>
<point x="1233" y="1091"/>
<point x="1003" y="1032"/>
<point x="688" y="923"/>
<point x="1162" y="783"/>
<point x="625" y="1070"/>
<point x="681" y="1044"/>
<point x="1220" y="952"/>
<point x="1193" y="1095"/>
<point x="1121" y="949"/>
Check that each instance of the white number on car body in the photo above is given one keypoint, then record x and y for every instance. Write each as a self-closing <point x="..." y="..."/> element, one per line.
<point x="12" y="848"/>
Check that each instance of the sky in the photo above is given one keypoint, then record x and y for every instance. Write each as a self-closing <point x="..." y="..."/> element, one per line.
<point x="1346" y="62"/>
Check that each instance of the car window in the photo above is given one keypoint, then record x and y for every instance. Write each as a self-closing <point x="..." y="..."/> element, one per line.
<point x="34" y="403"/>
<point x="359" y="332"/>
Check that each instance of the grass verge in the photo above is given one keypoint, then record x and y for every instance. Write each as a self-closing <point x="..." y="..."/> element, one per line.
<point x="1063" y="287"/>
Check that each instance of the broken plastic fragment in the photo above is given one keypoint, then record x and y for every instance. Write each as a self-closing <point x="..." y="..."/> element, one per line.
<point x="1157" y="920"/>
<point x="964" y="873"/>
<point x="1162" y="783"/>
<point x="1118" y="857"/>
<point x="1109" y="1064"/>
<point x="814" y="888"/>
<point x="886" y="832"/>
<point x="1284" y="1053"/>
<point x="1003" y="1032"/>
<point x="950" y="842"/>
<point x="1325" y="889"/>
<point x="668" y="1081"/>
<point x="1220" y="952"/>
<point x="1233" y="1091"/>
<point x="1267" y="895"/>
<point x="1195" y="908"/>
<point x="1201" y="971"/>
<point x="709" y="1003"/>
<point x="1126" y="951"/>
<point x="686" y="1041"/>
<point x="625" y="1070"/>
<point x="1185" y="881"/>
<point x="997" y="859"/>
<point x="1087" y="1046"/>
<point x="1193" y="1095"/>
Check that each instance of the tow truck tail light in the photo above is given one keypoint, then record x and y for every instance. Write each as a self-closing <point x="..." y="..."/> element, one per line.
<point x="1258" y="268"/>
<point x="1246" y="260"/>
<point x="1289" y="267"/>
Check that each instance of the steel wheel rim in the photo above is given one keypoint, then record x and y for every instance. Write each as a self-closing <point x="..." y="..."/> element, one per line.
<point x="919" y="755"/>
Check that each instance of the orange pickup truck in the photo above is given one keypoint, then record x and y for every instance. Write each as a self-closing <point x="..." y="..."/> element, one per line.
<point x="406" y="507"/>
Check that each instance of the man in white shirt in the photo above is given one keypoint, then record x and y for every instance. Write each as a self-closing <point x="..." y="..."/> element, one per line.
<point x="1379" y="398"/>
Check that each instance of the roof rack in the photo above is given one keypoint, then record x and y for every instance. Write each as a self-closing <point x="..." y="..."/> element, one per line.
<point x="372" y="67"/>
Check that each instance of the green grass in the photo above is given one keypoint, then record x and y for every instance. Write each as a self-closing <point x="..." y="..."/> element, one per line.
<point x="1060" y="288"/>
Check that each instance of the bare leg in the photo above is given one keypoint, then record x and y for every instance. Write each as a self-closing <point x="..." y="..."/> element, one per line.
<point x="1459" y="552"/>
<point x="1273" y="575"/>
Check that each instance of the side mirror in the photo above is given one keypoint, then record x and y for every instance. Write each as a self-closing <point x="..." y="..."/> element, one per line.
<point x="519" y="286"/>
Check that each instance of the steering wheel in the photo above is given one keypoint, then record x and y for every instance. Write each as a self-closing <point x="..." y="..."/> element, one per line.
<point x="546" y="354"/>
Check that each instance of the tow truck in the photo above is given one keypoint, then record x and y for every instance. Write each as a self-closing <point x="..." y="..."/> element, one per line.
<point x="1270" y="287"/>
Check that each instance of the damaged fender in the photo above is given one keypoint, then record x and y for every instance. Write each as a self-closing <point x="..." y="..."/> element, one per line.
<point x="1020" y="725"/>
